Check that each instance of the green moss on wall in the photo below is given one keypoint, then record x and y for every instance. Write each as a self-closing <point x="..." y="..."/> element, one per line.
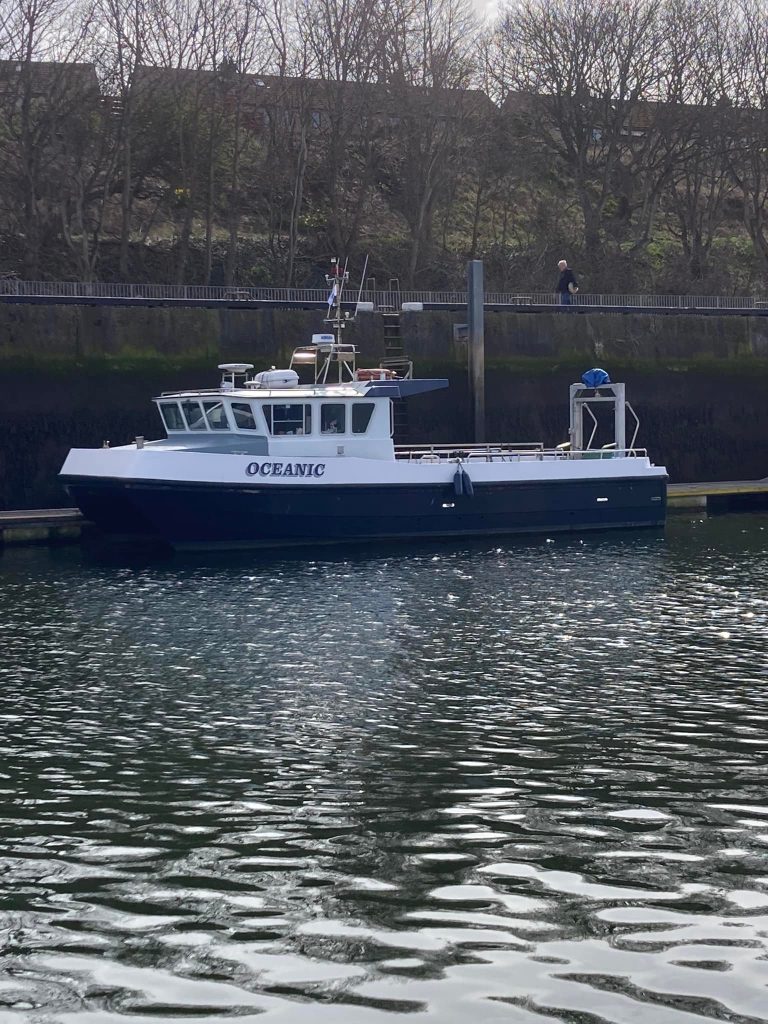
<point x="265" y="336"/>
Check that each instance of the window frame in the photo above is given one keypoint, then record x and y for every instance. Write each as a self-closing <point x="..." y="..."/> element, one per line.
<point x="362" y="405"/>
<point x="192" y="402"/>
<point x="342" y="415"/>
<point x="225" y="425"/>
<point x="235" y="407"/>
<point x="268" y="411"/>
<point x="162" y="406"/>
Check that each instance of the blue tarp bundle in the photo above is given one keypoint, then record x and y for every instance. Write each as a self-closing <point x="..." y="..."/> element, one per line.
<point x="595" y="377"/>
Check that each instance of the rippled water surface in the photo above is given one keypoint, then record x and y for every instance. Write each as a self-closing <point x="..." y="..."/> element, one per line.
<point x="468" y="784"/>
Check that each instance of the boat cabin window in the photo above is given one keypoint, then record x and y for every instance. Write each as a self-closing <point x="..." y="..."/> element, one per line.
<point x="216" y="415"/>
<point x="243" y="415"/>
<point x="333" y="418"/>
<point x="288" y="419"/>
<point x="361" y="416"/>
<point x="193" y="414"/>
<point x="172" y="417"/>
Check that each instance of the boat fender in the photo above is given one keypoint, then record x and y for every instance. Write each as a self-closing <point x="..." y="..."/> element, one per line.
<point x="462" y="485"/>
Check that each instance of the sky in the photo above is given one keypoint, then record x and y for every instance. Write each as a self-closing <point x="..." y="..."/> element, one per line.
<point x="486" y="9"/>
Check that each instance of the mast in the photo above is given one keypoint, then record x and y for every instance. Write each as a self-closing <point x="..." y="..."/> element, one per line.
<point x="336" y="281"/>
<point x="327" y="353"/>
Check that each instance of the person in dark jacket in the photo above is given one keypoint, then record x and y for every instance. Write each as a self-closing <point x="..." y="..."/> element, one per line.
<point x="566" y="284"/>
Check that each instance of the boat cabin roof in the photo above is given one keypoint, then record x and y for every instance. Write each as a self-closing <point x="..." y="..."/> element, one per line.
<point x="347" y="391"/>
<point x="352" y="390"/>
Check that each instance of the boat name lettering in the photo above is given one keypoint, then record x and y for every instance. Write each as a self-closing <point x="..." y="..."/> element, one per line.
<point x="285" y="469"/>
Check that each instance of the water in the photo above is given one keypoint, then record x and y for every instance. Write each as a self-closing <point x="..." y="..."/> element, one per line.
<point x="492" y="782"/>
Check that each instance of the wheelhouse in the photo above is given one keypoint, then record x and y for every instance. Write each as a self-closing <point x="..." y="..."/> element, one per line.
<point x="274" y="417"/>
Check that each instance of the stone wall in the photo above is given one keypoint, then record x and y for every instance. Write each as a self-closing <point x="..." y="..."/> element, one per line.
<point x="78" y="375"/>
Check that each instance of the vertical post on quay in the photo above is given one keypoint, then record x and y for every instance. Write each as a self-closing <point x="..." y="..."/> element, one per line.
<point x="476" y="346"/>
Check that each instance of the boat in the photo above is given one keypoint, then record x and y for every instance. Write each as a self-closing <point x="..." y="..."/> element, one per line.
<point x="267" y="460"/>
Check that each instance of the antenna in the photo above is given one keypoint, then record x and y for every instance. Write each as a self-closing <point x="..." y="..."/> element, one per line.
<point x="329" y="347"/>
<point x="362" y="282"/>
<point x="336" y="281"/>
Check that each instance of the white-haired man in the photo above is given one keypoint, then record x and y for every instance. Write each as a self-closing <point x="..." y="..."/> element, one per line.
<point x="566" y="284"/>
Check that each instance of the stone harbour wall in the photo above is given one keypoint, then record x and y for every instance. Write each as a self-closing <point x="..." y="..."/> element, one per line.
<point x="78" y="375"/>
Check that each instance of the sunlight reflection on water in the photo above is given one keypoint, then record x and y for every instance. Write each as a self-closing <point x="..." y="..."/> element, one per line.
<point x="486" y="782"/>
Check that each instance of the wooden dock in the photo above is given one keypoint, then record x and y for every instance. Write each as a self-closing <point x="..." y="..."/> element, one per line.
<point x="64" y="525"/>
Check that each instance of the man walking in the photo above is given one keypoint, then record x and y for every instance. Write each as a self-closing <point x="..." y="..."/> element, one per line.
<point x="566" y="285"/>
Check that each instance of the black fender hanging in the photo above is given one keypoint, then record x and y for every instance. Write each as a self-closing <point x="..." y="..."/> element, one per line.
<point x="462" y="485"/>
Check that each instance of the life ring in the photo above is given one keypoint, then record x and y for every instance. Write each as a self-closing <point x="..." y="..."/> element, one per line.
<point x="379" y="373"/>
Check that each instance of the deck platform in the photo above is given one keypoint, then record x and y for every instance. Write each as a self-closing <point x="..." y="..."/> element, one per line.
<point x="41" y="526"/>
<point x="720" y="495"/>
<point x="64" y="525"/>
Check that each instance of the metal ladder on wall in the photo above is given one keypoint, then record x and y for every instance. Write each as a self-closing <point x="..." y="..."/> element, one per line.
<point x="396" y="359"/>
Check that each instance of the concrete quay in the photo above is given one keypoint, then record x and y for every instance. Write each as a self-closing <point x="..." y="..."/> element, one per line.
<point x="41" y="526"/>
<point x="720" y="495"/>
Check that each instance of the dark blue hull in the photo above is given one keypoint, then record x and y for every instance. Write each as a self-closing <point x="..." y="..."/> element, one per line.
<point x="208" y="515"/>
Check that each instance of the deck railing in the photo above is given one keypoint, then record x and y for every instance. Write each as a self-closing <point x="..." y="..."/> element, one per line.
<point x="381" y="299"/>
<point x="507" y="452"/>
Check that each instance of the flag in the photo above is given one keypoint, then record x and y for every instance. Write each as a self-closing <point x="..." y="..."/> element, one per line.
<point x="332" y="296"/>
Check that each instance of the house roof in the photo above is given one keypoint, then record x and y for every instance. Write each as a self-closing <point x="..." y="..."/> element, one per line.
<point x="296" y="92"/>
<point x="45" y="76"/>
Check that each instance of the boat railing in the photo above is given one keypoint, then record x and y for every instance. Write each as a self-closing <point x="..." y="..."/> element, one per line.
<point x="193" y="392"/>
<point x="608" y="451"/>
<point x="466" y="451"/>
<point x="507" y="452"/>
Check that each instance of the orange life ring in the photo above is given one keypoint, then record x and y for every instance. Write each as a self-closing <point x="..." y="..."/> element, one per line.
<point x="379" y="373"/>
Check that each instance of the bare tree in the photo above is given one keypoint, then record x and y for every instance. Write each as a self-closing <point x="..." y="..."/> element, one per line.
<point x="179" y="80"/>
<point x="280" y="135"/>
<point x="44" y="92"/>
<point x="430" y="50"/>
<point x="695" y="121"/>
<point x="85" y="173"/>
<point x="584" y="69"/>
<point x="123" y="26"/>
<point x="749" y="160"/>
<point x="344" y="45"/>
<point x="248" y="52"/>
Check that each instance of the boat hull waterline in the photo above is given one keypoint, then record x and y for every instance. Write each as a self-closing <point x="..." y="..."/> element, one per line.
<point x="215" y="515"/>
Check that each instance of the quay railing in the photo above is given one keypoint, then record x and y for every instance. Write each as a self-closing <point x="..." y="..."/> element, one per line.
<point x="380" y="299"/>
